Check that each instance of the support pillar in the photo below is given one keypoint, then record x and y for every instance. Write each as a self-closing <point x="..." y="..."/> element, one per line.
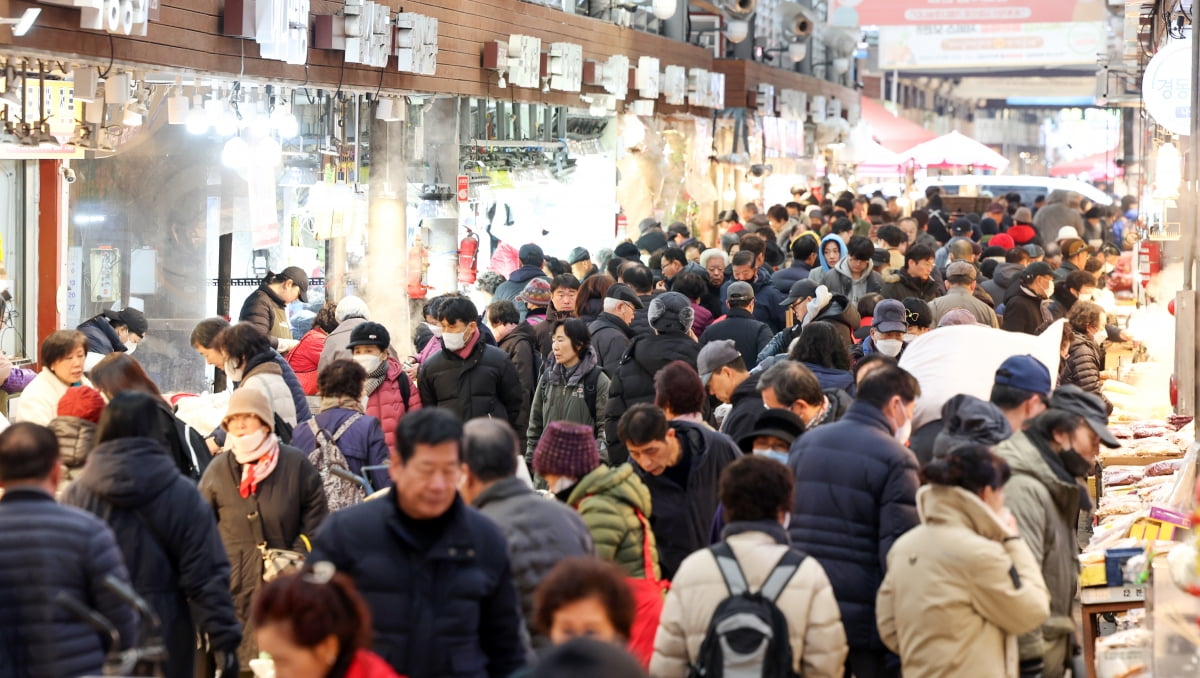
<point x="387" y="243"/>
<point x="51" y="207"/>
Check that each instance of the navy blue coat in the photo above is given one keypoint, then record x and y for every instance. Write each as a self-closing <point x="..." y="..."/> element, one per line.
<point x="451" y="611"/>
<point x="855" y="496"/>
<point x="784" y="278"/>
<point x="831" y="377"/>
<point x="363" y="444"/>
<point x="767" y="300"/>
<point x="168" y="537"/>
<point x="101" y="336"/>
<point x="45" y="549"/>
<point x="509" y="289"/>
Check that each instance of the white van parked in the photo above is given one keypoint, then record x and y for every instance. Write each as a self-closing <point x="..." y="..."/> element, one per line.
<point x="996" y="186"/>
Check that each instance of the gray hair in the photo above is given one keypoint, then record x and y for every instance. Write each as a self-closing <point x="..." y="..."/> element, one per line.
<point x="612" y="305"/>
<point x="792" y="381"/>
<point x="490" y="449"/>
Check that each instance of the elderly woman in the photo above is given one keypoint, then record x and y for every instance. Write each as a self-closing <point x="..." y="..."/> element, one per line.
<point x="262" y="492"/>
<point x="62" y="357"/>
<point x="1084" y="360"/>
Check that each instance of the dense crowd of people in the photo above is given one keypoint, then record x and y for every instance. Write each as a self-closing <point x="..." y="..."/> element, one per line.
<point x="671" y="459"/>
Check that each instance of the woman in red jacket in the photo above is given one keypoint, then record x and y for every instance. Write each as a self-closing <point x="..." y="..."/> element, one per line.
<point x="307" y="354"/>
<point x="389" y="392"/>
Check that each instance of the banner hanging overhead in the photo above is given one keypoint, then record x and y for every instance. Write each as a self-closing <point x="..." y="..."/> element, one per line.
<point x="988" y="45"/>
<point x="940" y="12"/>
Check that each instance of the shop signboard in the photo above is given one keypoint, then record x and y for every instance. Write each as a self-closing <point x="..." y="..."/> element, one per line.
<point x="464" y="188"/>
<point x="1167" y="87"/>
<point x="122" y="17"/>
<point x="62" y="110"/>
<point x="917" y="47"/>
<point x="942" y="13"/>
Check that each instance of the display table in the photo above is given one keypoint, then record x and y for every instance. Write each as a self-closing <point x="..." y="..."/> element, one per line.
<point x="1103" y="600"/>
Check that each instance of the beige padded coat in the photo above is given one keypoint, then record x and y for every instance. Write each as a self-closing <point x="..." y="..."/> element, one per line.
<point x="814" y="621"/>
<point x="950" y="604"/>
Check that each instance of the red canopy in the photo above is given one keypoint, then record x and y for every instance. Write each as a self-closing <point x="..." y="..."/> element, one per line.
<point x="893" y="133"/>
<point x="1097" y="167"/>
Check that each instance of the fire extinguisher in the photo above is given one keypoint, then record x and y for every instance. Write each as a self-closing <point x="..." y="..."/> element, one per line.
<point x="418" y="258"/>
<point x="468" y="255"/>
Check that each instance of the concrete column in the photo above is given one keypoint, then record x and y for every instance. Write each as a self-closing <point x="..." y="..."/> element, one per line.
<point x="387" y="243"/>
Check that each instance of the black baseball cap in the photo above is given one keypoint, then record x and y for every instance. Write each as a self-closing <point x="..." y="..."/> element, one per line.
<point x="801" y="289"/>
<point x="1087" y="405"/>
<point x="300" y="278"/>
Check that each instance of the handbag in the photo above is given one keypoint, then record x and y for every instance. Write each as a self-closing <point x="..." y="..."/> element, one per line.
<point x="276" y="562"/>
<point x="648" y="596"/>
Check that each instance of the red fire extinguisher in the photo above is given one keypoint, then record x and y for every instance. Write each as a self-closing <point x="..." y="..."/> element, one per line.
<point x="468" y="255"/>
<point x="418" y="258"/>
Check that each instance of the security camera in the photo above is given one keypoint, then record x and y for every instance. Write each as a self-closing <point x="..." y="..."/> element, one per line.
<point x="797" y="19"/>
<point x="738" y="9"/>
<point x="68" y="175"/>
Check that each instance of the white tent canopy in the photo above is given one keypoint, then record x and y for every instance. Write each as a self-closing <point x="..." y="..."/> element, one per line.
<point x="955" y="150"/>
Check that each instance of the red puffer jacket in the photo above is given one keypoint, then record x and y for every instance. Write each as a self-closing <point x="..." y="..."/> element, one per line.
<point x="387" y="402"/>
<point x="367" y="664"/>
<point x="304" y="359"/>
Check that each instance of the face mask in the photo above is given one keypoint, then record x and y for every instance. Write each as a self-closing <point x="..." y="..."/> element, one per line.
<point x="787" y="520"/>
<point x="244" y="447"/>
<point x="1108" y="268"/>
<point x="1100" y="336"/>
<point x="435" y="328"/>
<point x="370" y="363"/>
<point x="908" y="338"/>
<point x="1050" y="290"/>
<point x="233" y="372"/>
<point x="455" y="341"/>
<point x="130" y="348"/>
<point x="889" y="347"/>
<point x="1075" y="464"/>
<point x="904" y="432"/>
<point x="781" y="457"/>
<point x="562" y="484"/>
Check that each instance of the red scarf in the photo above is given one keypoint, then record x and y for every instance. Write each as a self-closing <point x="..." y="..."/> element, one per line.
<point x="470" y="346"/>
<point x="255" y="472"/>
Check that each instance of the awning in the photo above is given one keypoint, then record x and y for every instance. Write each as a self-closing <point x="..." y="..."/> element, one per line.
<point x="1097" y="167"/>
<point x="891" y="131"/>
<point x="955" y="150"/>
<point x="870" y="158"/>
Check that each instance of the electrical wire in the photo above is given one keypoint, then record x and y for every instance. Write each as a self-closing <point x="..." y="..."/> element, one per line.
<point x="111" y="55"/>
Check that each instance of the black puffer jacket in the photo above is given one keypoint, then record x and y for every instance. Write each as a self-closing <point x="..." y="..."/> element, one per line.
<point x="484" y="384"/>
<point x="184" y="444"/>
<point x="521" y="346"/>
<point x="633" y="382"/>
<point x="292" y="503"/>
<point x="168" y="537"/>
<point x="1083" y="365"/>
<point x="447" y="611"/>
<point x="101" y="336"/>
<point x="1022" y="310"/>
<point x="683" y="515"/>
<point x="1002" y="278"/>
<point x="266" y="311"/>
<point x="899" y="285"/>
<point x="611" y="336"/>
<point x="747" y="405"/>
<point x="749" y="334"/>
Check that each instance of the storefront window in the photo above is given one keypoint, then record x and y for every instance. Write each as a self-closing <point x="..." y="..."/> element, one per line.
<point x="13" y="304"/>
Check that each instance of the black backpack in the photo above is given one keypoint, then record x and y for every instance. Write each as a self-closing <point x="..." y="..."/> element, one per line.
<point x="748" y="634"/>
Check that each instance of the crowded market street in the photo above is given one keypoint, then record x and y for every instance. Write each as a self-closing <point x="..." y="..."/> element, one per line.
<point x="599" y="339"/>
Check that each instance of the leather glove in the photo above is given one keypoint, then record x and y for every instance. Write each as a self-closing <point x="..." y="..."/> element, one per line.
<point x="1032" y="668"/>
<point x="226" y="663"/>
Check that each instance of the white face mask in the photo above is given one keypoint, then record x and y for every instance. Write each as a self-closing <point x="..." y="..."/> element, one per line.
<point x="245" y="447"/>
<point x="781" y="457"/>
<point x="435" y="328"/>
<point x="562" y="484"/>
<point x="233" y="372"/>
<point x="130" y="348"/>
<point x="890" y="347"/>
<point x="369" y="362"/>
<point x="1100" y="336"/>
<point x="904" y="432"/>
<point x="908" y="338"/>
<point x="1050" y="290"/>
<point x="455" y="341"/>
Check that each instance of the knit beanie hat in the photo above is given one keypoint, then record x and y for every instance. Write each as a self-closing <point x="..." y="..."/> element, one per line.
<point x="84" y="402"/>
<point x="351" y="307"/>
<point x="566" y="449"/>
<point x="250" y="401"/>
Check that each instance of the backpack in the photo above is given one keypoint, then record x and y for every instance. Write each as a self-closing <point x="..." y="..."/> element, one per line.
<point x="340" y="491"/>
<point x="748" y="634"/>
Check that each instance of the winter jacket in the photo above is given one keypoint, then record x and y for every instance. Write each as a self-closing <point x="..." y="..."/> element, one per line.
<point x="539" y="533"/>
<point x="610" y="337"/>
<point x="1002" y="279"/>
<point x="168" y="538"/>
<point x="335" y="345"/>
<point x="961" y="297"/>
<point x="74" y="443"/>
<point x="291" y="503"/>
<point x="448" y="611"/>
<point x="1083" y="365"/>
<point x="784" y="278"/>
<point x="641" y="317"/>
<point x="18" y="377"/>
<point x="484" y="384"/>
<point x="509" y="289"/>
<point x="712" y="298"/>
<point x="47" y="550"/>
<point x="767" y="300"/>
<point x="633" y="381"/>
<point x="387" y="402"/>
<point x="521" y="346"/>
<point x="306" y="357"/>
<point x="362" y="444"/>
<point x="855" y="496"/>
<point x="1022" y="310"/>
<point x="807" y="602"/>
<point x="747" y="404"/>
<point x="102" y="339"/>
<point x="367" y="664"/>
<point x="1047" y="511"/>
<point x="38" y="404"/>
<point x="1059" y="305"/>
<point x="840" y="280"/>
<point x="299" y="400"/>
<point x="899" y="285"/>
<point x="749" y="334"/>
<point x="607" y="500"/>
<point x="266" y="311"/>
<point x="184" y="445"/>
<point x="263" y="375"/>
<point x="832" y="378"/>
<point x="958" y="591"/>
<point x="841" y="315"/>
<point x="702" y="320"/>
<point x="683" y="514"/>
<point x="562" y="396"/>
<point x="1056" y="213"/>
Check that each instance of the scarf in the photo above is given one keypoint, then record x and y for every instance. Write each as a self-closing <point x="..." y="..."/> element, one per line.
<point x="375" y="379"/>
<point x="465" y="351"/>
<point x="263" y="462"/>
<point x="341" y="402"/>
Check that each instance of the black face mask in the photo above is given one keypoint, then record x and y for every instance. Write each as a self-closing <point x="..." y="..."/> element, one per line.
<point x="1075" y="464"/>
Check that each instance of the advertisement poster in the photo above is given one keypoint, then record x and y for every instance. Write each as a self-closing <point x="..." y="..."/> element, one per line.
<point x="941" y="12"/>
<point x="986" y="45"/>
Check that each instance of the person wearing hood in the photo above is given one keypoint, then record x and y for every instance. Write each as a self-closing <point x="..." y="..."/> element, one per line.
<point x="915" y="279"/>
<point x="113" y="332"/>
<point x="853" y="277"/>
<point x="724" y="375"/>
<point x="965" y="420"/>
<point x="611" y="331"/>
<point x="573" y="387"/>
<point x="351" y="312"/>
<point x="963" y="584"/>
<point x="166" y="533"/>
<point x="961" y="281"/>
<point x="266" y="307"/>
<point x="671" y="315"/>
<point x="766" y="295"/>
<point x="1048" y="460"/>
<point x="833" y="250"/>
<point x="532" y="259"/>
<point x="1061" y="209"/>
<point x="1023" y="302"/>
<point x="1015" y="261"/>
<point x="804" y="259"/>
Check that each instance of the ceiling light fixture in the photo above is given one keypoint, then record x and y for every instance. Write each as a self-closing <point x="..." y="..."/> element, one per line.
<point x="23" y="23"/>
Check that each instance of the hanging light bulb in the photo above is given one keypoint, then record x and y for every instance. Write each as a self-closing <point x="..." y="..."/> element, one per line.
<point x="283" y="121"/>
<point x="236" y="153"/>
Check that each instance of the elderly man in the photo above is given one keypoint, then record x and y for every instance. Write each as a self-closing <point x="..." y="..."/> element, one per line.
<point x="713" y="262"/>
<point x="961" y="279"/>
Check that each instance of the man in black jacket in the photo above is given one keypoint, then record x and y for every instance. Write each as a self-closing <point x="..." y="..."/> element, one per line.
<point x="1023" y="303"/>
<point x="434" y="571"/>
<point x="611" y="333"/>
<point x="46" y="551"/>
<point x="532" y="259"/>
<point x="749" y="334"/>
<point x="724" y="375"/>
<point x="680" y="463"/>
<point x="468" y="377"/>
<point x="519" y="341"/>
